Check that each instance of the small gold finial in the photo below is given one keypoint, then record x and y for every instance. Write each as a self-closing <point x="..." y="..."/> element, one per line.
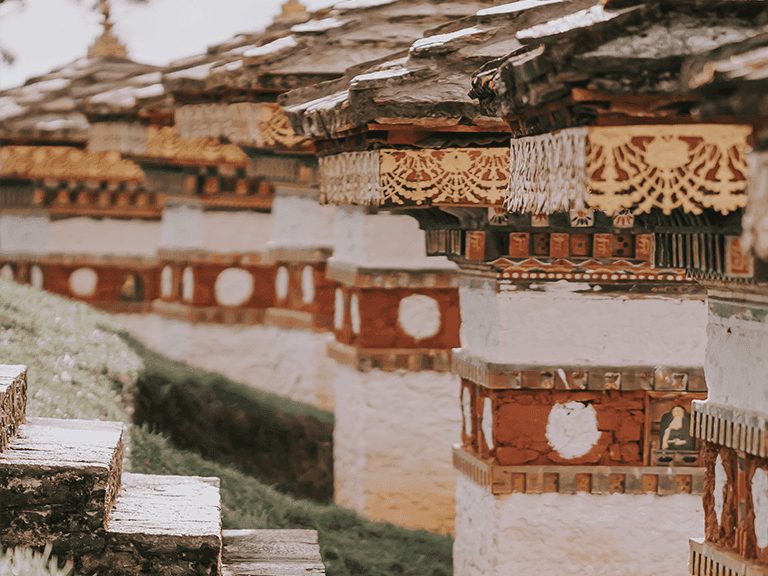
<point x="292" y="10"/>
<point x="107" y="45"/>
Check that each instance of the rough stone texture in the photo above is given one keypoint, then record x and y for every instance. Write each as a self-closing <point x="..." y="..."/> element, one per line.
<point x="165" y="525"/>
<point x="59" y="479"/>
<point x="381" y="241"/>
<point x="567" y="327"/>
<point x="392" y="438"/>
<point x="572" y="534"/>
<point x="291" y="363"/>
<point x="271" y="552"/>
<point x="13" y="401"/>
<point x="83" y="235"/>
<point x="21" y="233"/>
<point x="736" y="362"/>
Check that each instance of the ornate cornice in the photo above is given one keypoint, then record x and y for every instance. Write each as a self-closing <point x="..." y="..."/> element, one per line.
<point x="398" y="178"/>
<point x="260" y="125"/>
<point x="731" y="427"/>
<point x="637" y="168"/>
<point x="66" y="163"/>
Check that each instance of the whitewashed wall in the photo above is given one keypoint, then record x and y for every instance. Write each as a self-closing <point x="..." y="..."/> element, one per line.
<point x="573" y="534"/>
<point x="392" y="446"/>
<point x="299" y="220"/>
<point x="562" y="326"/>
<point x="737" y="355"/>
<point x="291" y="363"/>
<point x="83" y="235"/>
<point x="381" y="240"/>
<point x="182" y="226"/>
<point x="22" y="233"/>
<point x="235" y="231"/>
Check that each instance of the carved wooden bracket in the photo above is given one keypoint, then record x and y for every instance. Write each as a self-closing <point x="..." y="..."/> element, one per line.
<point x="687" y="166"/>
<point x="63" y="162"/>
<point x="453" y="176"/>
<point x="262" y="125"/>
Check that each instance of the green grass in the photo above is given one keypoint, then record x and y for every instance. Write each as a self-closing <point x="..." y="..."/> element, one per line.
<point x="82" y="365"/>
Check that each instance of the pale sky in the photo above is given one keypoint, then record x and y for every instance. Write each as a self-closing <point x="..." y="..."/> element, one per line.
<point x="47" y="34"/>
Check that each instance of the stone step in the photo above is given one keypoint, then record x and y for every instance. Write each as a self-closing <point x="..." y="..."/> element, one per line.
<point x="13" y="400"/>
<point x="162" y="525"/>
<point x="271" y="553"/>
<point x="58" y="482"/>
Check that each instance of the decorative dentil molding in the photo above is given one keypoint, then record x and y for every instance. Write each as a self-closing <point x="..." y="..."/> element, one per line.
<point x="66" y="163"/>
<point x="262" y="125"/>
<point x="636" y="168"/>
<point x="416" y="177"/>
<point x="350" y="178"/>
<point x="546" y="172"/>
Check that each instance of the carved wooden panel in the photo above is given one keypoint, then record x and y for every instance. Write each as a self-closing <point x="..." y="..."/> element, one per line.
<point x="263" y="125"/>
<point x="350" y="178"/>
<point x="668" y="167"/>
<point x="164" y="142"/>
<point x="450" y="176"/>
<point x="66" y="163"/>
<point x="637" y="168"/>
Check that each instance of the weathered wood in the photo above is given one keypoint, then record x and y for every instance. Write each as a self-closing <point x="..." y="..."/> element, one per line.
<point x="271" y="553"/>
<point x="58" y="479"/>
<point x="13" y="401"/>
<point x="166" y="524"/>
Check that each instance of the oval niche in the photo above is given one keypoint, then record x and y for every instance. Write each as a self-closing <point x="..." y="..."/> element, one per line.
<point x="82" y="282"/>
<point x="233" y="287"/>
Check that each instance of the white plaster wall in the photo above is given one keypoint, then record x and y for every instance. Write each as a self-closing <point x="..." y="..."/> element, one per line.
<point x="301" y="369"/>
<point x="24" y="233"/>
<point x="83" y="235"/>
<point x="392" y="446"/>
<point x="573" y="534"/>
<point x="181" y="226"/>
<point x="566" y="327"/>
<point x="381" y="241"/>
<point x="301" y="221"/>
<point x="235" y="231"/>
<point x="737" y="360"/>
<point x="291" y="363"/>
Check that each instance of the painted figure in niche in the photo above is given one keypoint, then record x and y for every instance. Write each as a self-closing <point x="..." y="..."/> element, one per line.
<point x="675" y="430"/>
<point x="131" y="290"/>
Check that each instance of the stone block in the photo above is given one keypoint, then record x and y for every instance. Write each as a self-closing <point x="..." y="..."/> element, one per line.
<point x="13" y="401"/>
<point x="58" y="480"/>
<point x="160" y="524"/>
<point x="284" y="552"/>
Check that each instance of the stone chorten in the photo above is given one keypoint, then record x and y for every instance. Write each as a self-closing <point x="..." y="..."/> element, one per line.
<point x="107" y="45"/>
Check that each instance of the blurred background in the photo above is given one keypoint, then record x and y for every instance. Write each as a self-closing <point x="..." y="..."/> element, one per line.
<point x="37" y="36"/>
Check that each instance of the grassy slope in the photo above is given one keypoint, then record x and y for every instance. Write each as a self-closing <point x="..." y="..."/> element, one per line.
<point x="80" y="367"/>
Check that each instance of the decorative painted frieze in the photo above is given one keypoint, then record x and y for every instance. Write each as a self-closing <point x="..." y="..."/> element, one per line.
<point x="453" y="176"/>
<point x="261" y="125"/>
<point x="66" y="163"/>
<point x="363" y="277"/>
<point x="731" y="427"/>
<point x="591" y="270"/>
<point x="657" y="480"/>
<point x="638" y="168"/>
